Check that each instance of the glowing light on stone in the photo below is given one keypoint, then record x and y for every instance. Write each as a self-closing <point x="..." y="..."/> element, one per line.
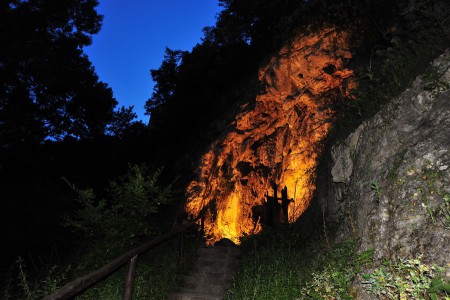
<point x="275" y="139"/>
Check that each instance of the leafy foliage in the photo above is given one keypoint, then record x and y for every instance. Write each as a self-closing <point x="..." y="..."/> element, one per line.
<point x="339" y="272"/>
<point x="22" y="286"/>
<point x="127" y="214"/>
<point x="159" y="272"/>
<point x="165" y="78"/>
<point x="408" y="279"/>
<point x="106" y="228"/>
<point x="122" y="122"/>
<point x="48" y="87"/>
<point x="56" y="118"/>
<point x="113" y="224"/>
<point x="443" y="213"/>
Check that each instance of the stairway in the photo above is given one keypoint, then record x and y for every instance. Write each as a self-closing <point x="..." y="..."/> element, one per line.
<point x="211" y="275"/>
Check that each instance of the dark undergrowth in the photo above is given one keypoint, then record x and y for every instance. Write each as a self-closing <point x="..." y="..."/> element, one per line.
<point x="159" y="272"/>
<point x="283" y="265"/>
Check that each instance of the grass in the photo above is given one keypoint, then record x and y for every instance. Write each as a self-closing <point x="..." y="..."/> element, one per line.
<point x="159" y="272"/>
<point x="283" y="266"/>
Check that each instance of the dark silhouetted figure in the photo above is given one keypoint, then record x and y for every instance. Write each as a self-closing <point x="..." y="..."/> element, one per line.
<point x="270" y="208"/>
<point x="285" y="204"/>
<point x="273" y="207"/>
<point x="277" y="212"/>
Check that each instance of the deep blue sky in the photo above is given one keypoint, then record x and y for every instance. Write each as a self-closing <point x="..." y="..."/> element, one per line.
<point x="134" y="36"/>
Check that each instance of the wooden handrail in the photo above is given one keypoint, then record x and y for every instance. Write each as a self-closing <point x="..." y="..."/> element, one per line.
<point x="76" y="286"/>
<point x="129" y="279"/>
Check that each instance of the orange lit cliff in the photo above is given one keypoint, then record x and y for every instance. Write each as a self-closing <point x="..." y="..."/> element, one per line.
<point x="276" y="139"/>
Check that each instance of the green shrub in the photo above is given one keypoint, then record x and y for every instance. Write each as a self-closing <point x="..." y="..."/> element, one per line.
<point x="159" y="272"/>
<point x="127" y="214"/>
<point x="407" y="279"/>
<point x="334" y="278"/>
<point x="107" y="227"/>
<point x="20" y="286"/>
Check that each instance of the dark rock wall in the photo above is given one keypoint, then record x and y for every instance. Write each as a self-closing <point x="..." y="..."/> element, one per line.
<point x="388" y="182"/>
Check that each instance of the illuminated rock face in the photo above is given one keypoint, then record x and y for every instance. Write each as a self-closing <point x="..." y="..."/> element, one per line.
<point x="275" y="140"/>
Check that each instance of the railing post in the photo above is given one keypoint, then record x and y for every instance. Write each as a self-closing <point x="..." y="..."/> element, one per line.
<point x="73" y="288"/>
<point x="181" y="247"/>
<point x="129" y="278"/>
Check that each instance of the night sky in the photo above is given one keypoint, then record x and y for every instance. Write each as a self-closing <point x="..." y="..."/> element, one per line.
<point x="134" y="36"/>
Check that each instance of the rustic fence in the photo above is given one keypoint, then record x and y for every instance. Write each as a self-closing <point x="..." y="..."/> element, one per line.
<point x="80" y="284"/>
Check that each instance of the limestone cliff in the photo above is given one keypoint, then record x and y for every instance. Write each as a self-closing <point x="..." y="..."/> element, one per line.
<point x="275" y="140"/>
<point x="390" y="179"/>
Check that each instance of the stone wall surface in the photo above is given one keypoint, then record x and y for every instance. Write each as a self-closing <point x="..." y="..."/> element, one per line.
<point x="389" y="179"/>
<point x="275" y="139"/>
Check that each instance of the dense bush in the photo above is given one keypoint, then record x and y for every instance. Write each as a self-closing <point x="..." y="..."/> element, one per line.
<point x="127" y="214"/>
<point x="106" y="227"/>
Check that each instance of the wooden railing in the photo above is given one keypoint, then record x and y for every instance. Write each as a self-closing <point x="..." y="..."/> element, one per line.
<point x="80" y="284"/>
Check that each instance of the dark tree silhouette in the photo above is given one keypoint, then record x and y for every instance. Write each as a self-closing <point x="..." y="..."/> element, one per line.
<point x="48" y="87"/>
<point x="56" y="119"/>
<point x="165" y="79"/>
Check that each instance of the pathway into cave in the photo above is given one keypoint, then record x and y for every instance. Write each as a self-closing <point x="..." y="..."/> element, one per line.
<point x="211" y="275"/>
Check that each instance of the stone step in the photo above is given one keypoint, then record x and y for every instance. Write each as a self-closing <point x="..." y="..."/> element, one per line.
<point x="215" y="258"/>
<point x="219" y="250"/>
<point x="211" y="275"/>
<point x="210" y="267"/>
<point x="220" y="276"/>
<point x="206" y="279"/>
<point x="209" y="288"/>
<point x="194" y="296"/>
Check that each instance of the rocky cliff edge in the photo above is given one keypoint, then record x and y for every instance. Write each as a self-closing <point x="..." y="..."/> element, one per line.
<point x="389" y="181"/>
